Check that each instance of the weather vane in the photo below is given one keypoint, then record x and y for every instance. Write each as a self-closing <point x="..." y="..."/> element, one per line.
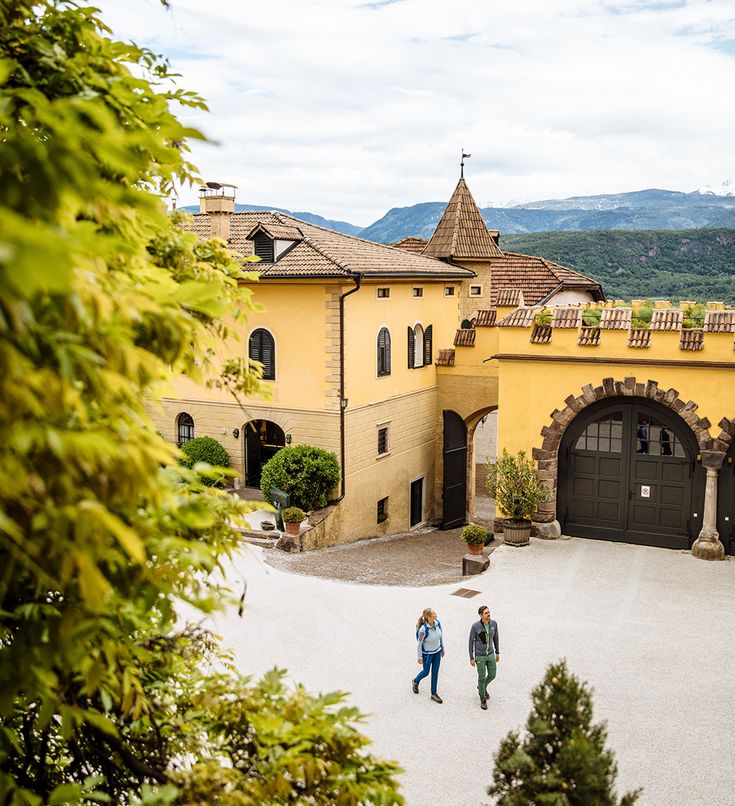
<point x="461" y="164"/>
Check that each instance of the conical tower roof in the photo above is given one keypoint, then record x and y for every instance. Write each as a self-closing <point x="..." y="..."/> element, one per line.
<point x="461" y="231"/>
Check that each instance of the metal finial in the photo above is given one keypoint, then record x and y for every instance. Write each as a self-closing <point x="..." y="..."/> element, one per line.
<point x="461" y="164"/>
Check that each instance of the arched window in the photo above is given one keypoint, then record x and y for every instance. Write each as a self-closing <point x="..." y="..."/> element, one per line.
<point x="419" y="346"/>
<point x="184" y="428"/>
<point x="383" y="352"/>
<point x="262" y="348"/>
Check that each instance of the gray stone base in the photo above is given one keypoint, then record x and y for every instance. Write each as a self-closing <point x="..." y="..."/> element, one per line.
<point x="289" y="543"/>
<point x="548" y="531"/>
<point x="708" y="547"/>
<point x="474" y="564"/>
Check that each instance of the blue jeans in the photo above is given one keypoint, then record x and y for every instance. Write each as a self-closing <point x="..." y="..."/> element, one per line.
<point x="431" y="663"/>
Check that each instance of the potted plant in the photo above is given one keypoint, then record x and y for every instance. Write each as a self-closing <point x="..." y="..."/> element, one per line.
<point x="292" y="517"/>
<point x="517" y="491"/>
<point x="474" y="536"/>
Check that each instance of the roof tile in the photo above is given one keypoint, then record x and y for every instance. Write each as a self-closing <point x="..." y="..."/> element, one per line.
<point x="692" y="339"/>
<point x="541" y="334"/>
<point x="520" y="317"/>
<point x="509" y="298"/>
<point x="719" y="322"/>
<point x="588" y="336"/>
<point x="412" y="244"/>
<point x="639" y="337"/>
<point x="465" y="338"/>
<point x="666" y="319"/>
<point x="486" y="318"/>
<point x="569" y="318"/>
<point x="445" y="359"/>
<point x="616" y="318"/>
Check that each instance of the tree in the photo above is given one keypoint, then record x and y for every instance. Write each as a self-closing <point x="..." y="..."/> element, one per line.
<point x="308" y="474"/>
<point x="562" y="760"/>
<point x="104" y="696"/>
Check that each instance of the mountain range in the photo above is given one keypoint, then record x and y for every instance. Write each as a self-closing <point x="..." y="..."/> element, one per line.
<point x="638" y="210"/>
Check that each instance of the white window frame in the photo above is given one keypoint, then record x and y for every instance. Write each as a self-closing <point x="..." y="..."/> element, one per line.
<point x="417" y="292"/>
<point x="449" y="291"/>
<point x="479" y="291"/>
<point x="380" y="288"/>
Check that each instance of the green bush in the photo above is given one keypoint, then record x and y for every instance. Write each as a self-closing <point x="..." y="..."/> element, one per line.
<point x="474" y="535"/>
<point x="293" y="515"/>
<point x="514" y="485"/>
<point x="693" y="316"/>
<point x="306" y="473"/>
<point x="562" y="759"/>
<point x="591" y="316"/>
<point x="207" y="450"/>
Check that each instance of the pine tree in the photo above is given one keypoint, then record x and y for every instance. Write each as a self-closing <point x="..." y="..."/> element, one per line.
<point x="562" y="760"/>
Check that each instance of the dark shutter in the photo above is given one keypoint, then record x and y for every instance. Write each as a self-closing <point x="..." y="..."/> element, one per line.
<point x="411" y="350"/>
<point x="261" y="347"/>
<point x="383" y="352"/>
<point x="427" y="345"/>
<point x="264" y="247"/>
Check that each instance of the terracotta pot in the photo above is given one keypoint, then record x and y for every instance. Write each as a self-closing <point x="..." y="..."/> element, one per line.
<point x="517" y="533"/>
<point x="292" y="528"/>
<point x="475" y="548"/>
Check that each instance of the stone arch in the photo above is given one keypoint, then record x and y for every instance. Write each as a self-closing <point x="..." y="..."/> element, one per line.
<point x="547" y="455"/>
<point x="472" y="421"/>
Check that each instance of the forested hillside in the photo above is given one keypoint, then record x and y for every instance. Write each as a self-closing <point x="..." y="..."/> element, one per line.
<point x="689" y="264"/>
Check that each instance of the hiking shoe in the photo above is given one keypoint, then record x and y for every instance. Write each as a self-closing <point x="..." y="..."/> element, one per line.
<point x="483" y="705"/>
<point x="415" y="687"/>
<point x="436" y="698"/>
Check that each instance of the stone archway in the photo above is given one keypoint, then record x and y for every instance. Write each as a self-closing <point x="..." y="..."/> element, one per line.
<point x="712" y="449"/>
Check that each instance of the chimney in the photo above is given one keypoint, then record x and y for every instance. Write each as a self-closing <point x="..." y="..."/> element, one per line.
<point x="217" y="199"/>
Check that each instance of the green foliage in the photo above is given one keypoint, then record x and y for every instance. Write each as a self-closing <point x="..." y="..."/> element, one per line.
<point x="293" y="515"/>
<point x="543" y="317"/>
<point x="591" y="315"/>
<point x="514" y="485"/>
<point x="642" y="315"/>
<point x="474" y="535"/>
<point x="208" y="451"/>
<point x="307" y="473"/>
<point x="562" y="759"/>
<point x="676" y="265"/>
<point x="103" y="696"/>
<point x="693" y="316"/>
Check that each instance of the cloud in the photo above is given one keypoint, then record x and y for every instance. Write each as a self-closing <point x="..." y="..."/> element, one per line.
<point x="347" y="109"/>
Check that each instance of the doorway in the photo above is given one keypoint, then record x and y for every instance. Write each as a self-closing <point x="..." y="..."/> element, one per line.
<point x="417" y="502"/>
<point x="263" y="440"/>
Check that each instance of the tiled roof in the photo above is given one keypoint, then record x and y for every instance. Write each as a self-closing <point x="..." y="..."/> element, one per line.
<point x="520" y="317"/>
<point x="509" y="298"/>
<point x="486" y="318"/>
<point x="541" y="334"/>
<point x="666" y="319"/>
<point x="719" y="322"/>
<point x="465" y="338"/>
<point x="445" y="359"/>
<point x="639" y="337"/>
<point x="281" y="232"/>
<point x="692" y="339"/>
<point x="588" y="336"/>
<point x="461" y="231"/>
<point x="616" y="318"/>
<point x="412" y="244"/>
<point x="536" y="277"/>
<point x="325" y="253"/>
<point x="569" y="318"/>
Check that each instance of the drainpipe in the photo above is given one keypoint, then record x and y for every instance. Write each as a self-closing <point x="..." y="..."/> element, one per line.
<point x="357" y="278"/>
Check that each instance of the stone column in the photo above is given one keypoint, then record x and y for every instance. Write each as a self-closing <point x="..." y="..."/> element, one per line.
<point x="708" y="546"/>
<point x="471" y="474"/>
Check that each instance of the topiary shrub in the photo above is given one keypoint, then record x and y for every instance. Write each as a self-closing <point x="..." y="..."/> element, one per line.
<point x="474" y="535"/>
<point x="207" y="450"/>
<point x="306" y="473"/>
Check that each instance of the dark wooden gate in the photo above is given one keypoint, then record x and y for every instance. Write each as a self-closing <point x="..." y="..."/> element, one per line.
<point x="417" y="501"/>
<point x="628" y="472"/>
<point x="455" y="471"/>
<point x="726" y="502"/>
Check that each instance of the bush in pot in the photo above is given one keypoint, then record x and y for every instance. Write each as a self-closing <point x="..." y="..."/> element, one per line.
<point x="474" y="536"/>
<point x="293" y="515"/>
<point x="513" y="483"/>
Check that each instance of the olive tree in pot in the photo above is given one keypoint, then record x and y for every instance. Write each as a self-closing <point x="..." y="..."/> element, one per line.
<point x="513" y="483"/>
<point x="292" y="517"/>
<point x="474" y="536"/>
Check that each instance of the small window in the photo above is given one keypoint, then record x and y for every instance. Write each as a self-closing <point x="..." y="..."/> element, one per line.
<point x="448" y="290"/>
<point x="262" y="348"/>
<point x="383" y="352"/>
<point x="383" y="293"/>
<point x="418" y="292"/>
<point x="383" y="440"/>
<point x="382" y="510"/>
<point x="263" y="248"/>
<point x="475" y="290"/>
<point x="419" y="346"/>
<point x="184" y="428"/>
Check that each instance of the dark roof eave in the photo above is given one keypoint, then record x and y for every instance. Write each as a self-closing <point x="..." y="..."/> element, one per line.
<point x="597" y="293"/>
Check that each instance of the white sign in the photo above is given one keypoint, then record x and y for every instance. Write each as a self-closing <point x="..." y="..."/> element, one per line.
<point x="645" y="491"/>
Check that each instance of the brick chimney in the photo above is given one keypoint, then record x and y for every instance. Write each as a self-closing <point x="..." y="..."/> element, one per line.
<point x="217" y="200"/>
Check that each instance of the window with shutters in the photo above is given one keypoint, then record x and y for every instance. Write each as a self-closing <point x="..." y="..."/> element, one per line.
<point x="428" y="337"/>
<point x="382" y="440"/>
<point x="184" y="428"/>
<point x="262" y="348"/>
<point x="419" y="346"/>
<point x="383" y="352"/>
<point x="263" y="246"/>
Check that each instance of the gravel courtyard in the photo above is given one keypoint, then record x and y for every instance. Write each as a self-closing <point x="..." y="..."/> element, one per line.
<point x="651" y="630"/>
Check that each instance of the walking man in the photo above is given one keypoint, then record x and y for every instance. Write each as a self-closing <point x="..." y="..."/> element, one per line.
<point x="484" y="651"/>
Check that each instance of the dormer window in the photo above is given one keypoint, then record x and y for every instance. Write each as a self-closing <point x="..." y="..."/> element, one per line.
<point x="263" y="247"/>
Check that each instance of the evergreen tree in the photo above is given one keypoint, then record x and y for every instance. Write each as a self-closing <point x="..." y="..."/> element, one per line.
<point x="562" y="760"/>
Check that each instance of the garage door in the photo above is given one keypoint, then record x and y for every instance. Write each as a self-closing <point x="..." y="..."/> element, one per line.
<point x="628" y="472"/>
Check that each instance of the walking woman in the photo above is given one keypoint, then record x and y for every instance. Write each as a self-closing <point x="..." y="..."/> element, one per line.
<point x="430" y="651"/>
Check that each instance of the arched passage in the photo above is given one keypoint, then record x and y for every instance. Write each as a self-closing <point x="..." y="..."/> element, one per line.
<point x="262" y="440"/>
<point x="628" y="472"/>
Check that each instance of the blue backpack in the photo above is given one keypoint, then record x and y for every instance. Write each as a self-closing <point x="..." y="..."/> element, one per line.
<point x="441" y="640"/>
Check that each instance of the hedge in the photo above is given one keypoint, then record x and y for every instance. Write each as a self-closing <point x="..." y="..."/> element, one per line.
<point x="306" y="473"/>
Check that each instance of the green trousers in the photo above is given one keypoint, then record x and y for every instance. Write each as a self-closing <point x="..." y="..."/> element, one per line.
<point x="486" y="669"/>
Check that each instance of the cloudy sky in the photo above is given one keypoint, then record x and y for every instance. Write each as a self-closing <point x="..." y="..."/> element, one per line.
<point x="348" y="108"/>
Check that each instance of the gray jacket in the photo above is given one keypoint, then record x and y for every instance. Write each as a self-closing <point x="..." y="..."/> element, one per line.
<point x="478" y="638"/>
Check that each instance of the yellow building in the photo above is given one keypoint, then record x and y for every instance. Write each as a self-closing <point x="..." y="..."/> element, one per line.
<point x="390" y="357"/>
